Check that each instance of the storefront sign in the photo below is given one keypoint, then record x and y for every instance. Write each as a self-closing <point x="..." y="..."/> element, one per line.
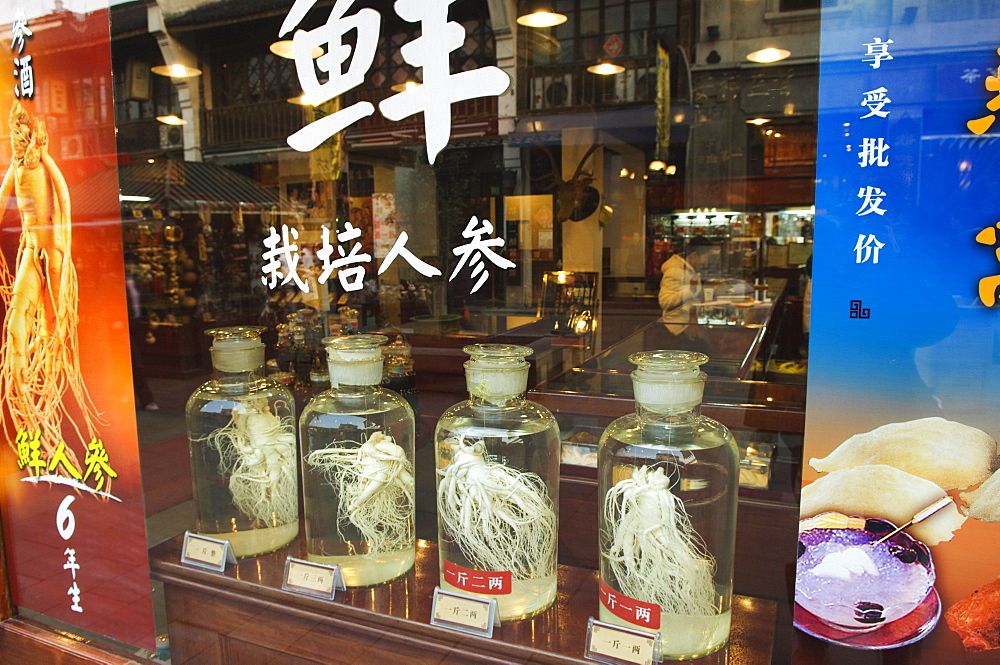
<point x="904" y="355"/>
<point x="430" y="52"/>
<point x="283" y="255"/>
<point x="72" y="508"/>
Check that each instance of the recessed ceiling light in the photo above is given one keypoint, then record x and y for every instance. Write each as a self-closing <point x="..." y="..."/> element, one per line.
<point x="769" y="54"/>
<point x="758" y="121"/>
<point x="285" y="48"/>
<point x="403" y="87"/>
<point x="541" y="19"/>
<point x="171" y="120"/>
<point x="176" y="71"/>
<point x="605" y="69"/>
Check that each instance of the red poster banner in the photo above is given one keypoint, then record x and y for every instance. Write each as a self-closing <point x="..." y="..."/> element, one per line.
<point x="72" y="502"/>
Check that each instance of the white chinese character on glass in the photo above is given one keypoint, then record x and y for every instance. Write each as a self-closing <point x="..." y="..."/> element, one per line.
<point x="74" y="593"/>
<point x="461" y="578"/>
<point x="476" y="249"/>
<point x="24" y="72"/>
<point x="281" y="247"/>
<point x="873" y="153"/>
<point x="351" y="273"/>
<point x="876" y="100"/>
<point x="877" y="52"/>
<point x="71" y="564"/>
<point x="866" y="248"/>
<point x="431" y="51"/>
<point x="871" y="200"/>
<point x="399" y="249"/>
<point x="642" y="614"/>
<point x="971" y="74"/>
<point x="19" y="29"/>
<point x="496" y="583"/>
<point x="366" y="23"/>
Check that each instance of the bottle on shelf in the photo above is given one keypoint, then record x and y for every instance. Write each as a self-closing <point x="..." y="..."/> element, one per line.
<point x="667" y="479"/>
<point x="498" y="481"/>
<point x="357" y="467"/>
<point x="241" y="429"/>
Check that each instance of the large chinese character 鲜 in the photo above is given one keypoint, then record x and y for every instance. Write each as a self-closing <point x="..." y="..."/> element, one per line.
<point x="440" y="89"/>
<point x="367" y="23"/>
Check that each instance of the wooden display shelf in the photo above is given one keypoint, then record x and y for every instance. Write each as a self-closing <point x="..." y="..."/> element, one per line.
<point x="243" y="616"/>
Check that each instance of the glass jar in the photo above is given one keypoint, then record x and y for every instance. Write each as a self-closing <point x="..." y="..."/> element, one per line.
<point x="498" y="483"/>
<point x="357" y="468"/>
<point x="668" y="485"/>
<point x="241" y="429"/>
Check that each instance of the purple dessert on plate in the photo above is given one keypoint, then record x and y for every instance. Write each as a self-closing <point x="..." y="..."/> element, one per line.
<point x="849" y="579"/>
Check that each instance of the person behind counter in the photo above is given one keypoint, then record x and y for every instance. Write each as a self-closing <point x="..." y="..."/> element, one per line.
<point x="680" y="285"/>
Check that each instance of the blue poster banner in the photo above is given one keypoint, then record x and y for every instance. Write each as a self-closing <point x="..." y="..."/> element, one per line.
<point x="904" y="363"/>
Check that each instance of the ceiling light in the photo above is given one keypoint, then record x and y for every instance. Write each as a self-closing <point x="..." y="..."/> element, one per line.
<point x="605" y="69"/>
<point x="657" y="165"/>
<point x="540" y="14"/>
<point x="758" y="121"/>
<point x="769" y="54"/>
<point x="777" y="135"/>
<point x="403" y="87"/>
<point x="176" y="71"/>
<point x="301" y="100"/>
<point x="134" y="199"/>
<point x="671" y="169"/>
<point x="285" y="48"/>
<point x="171" y="120"/>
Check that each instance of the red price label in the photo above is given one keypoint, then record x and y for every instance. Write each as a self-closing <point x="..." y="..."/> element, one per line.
<point x="634" y="611"/>
<point x="477" y="581"/>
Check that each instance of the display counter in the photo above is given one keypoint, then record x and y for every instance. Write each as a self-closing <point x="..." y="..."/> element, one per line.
<point x="244" y="616"/>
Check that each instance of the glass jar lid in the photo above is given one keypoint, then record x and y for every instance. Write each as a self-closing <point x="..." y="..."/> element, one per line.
<point x="237" y="348"/>
<point x="496" y="372"/>
<point x="668" y="381"/>
<point x="355" y="360"/>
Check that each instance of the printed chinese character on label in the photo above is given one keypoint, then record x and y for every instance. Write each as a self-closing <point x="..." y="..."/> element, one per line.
<point x="464" y="613"/>
<point x="478" y="581"/>
<point x="646" y="615"/>
<point x="609" y="643"/>
<point x="318" y="579"/>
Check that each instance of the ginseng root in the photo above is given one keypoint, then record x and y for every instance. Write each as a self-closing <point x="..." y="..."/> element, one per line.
<point x="257" y="450"/>
<point x="374" y="485"/>
<point x="652" y="550"/>
<point x="500" y="518"/>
